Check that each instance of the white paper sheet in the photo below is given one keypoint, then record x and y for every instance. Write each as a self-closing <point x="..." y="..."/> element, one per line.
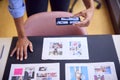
<point x="5" y="44"/>
<point x="65" y="48"/>
<point x="116" y="40"/>
<point x="42" y="71"/>
<point x="90" y="71"/>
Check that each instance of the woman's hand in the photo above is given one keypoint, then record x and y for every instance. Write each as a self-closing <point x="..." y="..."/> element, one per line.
<point x="87" y="16"/>
<point x="21" y="48"/>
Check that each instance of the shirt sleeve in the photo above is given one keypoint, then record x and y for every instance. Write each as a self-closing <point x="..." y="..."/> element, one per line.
<point x="16" y="8"/>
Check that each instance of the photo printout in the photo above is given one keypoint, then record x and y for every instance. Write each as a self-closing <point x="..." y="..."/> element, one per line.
<point x="42" y="71"/>
<point x="90" y="71"/>
<point x="63" y="48"/>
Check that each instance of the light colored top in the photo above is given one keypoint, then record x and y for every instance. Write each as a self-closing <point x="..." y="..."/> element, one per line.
<point x="16" y="8"/>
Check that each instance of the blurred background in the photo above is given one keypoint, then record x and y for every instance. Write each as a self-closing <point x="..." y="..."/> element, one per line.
<point x="100" y="24"/>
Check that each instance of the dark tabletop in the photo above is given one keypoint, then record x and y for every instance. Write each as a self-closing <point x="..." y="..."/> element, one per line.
<point x="101" y="49"/>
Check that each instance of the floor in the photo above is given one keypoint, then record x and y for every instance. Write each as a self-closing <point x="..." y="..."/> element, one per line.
<point x="100" y="24"/>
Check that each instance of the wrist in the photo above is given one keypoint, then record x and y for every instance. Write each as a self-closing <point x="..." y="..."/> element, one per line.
<point x="91" y="9"/>
<point x="22" y="36"/>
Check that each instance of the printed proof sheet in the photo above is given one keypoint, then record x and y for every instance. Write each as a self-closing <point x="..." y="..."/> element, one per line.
<point x="90" y="71"/>
<point x="43" y="71"/>
<point x="63" y="48"/>
<point x="5" y="44"/>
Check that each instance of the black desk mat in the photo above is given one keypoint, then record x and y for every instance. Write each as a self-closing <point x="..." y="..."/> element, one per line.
<point x="101" y="49"/>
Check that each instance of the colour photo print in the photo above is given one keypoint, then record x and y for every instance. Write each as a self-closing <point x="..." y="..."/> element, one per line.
<point x="75" y="48"/>
<point x="90" y="71"/>
<point x="43" y="74"/>
<point x="55" y="48"/>
<point x="78" y="73"/>
<point x="43" y="71"/>
<point x="102" y="73"/>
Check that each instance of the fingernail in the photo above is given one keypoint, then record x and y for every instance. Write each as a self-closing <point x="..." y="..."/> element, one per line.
<point x="25" y="58"/>
<point x="10" y="55"/>
<point x="32" y="50"/>
<point x="17" y="58"/>
<point x="21" y="59"/>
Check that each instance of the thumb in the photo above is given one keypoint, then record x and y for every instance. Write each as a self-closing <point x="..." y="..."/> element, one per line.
<point x="31" y="47"/>
<point x="77" y="14"/>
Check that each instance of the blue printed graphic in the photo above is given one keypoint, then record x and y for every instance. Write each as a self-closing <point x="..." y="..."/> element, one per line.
<point x="79" y="73"/>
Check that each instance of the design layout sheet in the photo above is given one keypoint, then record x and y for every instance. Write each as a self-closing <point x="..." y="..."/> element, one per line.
<point x="43" y="71"/>
<point x="65" y="48"/>
<point x="90" y="71"/>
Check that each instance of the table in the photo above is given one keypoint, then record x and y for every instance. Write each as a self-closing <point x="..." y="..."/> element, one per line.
<point x="101" y="49"/>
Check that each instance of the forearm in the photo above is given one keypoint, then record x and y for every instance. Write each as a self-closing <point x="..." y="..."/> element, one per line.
<point x="22" y="43"/>
<point x="89" y="4"/>
<point x="19" y="22"/>
<point x="16" y="9"/>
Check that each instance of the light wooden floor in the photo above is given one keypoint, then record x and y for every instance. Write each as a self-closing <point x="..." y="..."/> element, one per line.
<point x="100" y="24"/>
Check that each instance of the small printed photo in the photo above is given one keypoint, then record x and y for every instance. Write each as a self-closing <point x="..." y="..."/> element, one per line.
<point x="29" y="73"/>
<point x="99" y="77"/>
<point x="101" y="71"/>
<point x="75" y="48"/>
<point x="17" y="78"/>
<point x="42" y="68"/>
<point x="55" y="48"/>
<point x="41" y="74"/>
<point x="46" y="76"/>
<point x="18" y="71"/>
<point x="78" y="73"/>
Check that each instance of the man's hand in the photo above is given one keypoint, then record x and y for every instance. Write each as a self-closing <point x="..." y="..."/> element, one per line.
<point x="87" y="15"/>
<point x="21" y="48"/>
